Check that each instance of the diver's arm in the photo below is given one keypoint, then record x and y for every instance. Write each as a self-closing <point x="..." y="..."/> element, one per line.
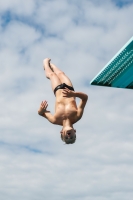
<point x="82" y="103"/>
<point x="44" y="113"/>
<point x="81" y="95"/>
<point x="48" y="116"/>
<point x="70" y="93"/>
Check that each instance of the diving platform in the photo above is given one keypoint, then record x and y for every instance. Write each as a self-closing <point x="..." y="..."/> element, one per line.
<point x="118" y="72"/>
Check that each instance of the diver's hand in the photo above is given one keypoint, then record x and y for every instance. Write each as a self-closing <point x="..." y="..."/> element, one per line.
<point x="68" y="93"/>
<point x="43" y="107"/>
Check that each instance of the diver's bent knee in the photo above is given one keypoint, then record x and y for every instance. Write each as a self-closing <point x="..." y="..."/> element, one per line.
<point x="60" y="74"/>
<point x="51" y="74"/>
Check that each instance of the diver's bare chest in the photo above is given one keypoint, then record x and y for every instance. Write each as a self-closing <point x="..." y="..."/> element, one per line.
<point x="65" y="107"/>
<point x="64" y="111"/>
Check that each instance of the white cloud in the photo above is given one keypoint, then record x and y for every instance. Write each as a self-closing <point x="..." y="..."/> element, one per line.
<point x="18" y="7"/>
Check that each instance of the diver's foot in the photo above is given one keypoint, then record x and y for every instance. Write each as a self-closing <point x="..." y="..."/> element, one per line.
<point x="46" y="61"/>
<point x="46" y="66"/>
<point x="51" y="68"/>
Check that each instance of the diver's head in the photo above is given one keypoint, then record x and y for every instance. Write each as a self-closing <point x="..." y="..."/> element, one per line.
<point x="68" y="135"/>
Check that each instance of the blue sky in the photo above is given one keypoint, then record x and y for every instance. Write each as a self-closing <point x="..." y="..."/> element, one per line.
<point x="80" y="37"/>
<point x="122" y="3"/>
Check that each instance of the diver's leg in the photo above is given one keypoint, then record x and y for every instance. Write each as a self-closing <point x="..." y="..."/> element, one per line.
<point x="55" y="81"/>
<point x="61" y="75"/>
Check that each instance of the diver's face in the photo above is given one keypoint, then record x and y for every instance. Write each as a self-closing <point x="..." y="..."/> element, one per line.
<point x="68" y="133"/>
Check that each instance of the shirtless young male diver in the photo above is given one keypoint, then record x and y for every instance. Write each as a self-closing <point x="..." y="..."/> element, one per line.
<point x="66" y="111"/>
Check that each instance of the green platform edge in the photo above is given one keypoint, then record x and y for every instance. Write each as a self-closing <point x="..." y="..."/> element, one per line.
<point x="118" y="72"/>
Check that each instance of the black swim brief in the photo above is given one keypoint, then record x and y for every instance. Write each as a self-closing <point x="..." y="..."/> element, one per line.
<point x="62" y="86"/>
